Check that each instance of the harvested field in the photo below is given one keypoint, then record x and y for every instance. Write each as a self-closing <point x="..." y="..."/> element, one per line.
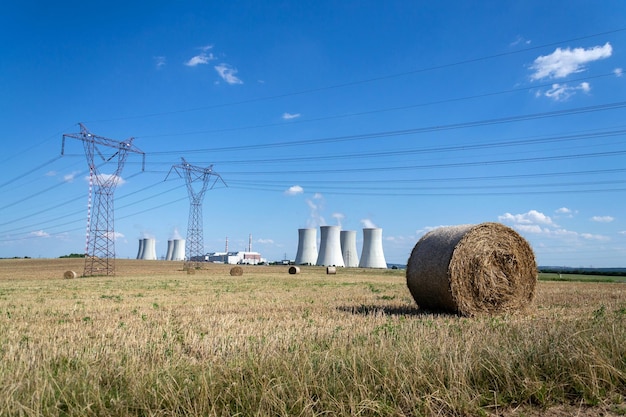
<point x="153" y="340"/>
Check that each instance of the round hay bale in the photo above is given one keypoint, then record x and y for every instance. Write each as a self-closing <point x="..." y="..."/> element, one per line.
<point x="293" y="270"/>
<point x="472" y="269"/>
<point x="236" y="271"/>
<point x="331" y="270"/>
<point x="69" y="275"/>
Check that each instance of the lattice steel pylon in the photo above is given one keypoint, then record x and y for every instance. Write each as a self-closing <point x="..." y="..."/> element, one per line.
<point x="100" y="237"/>
<point x="194" y="245"/>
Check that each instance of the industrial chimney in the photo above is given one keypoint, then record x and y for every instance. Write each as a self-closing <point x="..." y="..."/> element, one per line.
<point x="348" y="248"/>
<point x="149" y="250"/>
<point x="178" y="251"/>
<point x="372" y="255"/>
<point x="307" y="247"/>
<point x="330" y="247"/>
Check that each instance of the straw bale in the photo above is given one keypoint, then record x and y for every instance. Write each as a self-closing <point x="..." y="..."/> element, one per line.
<point x="236" y="271"/>
<point x="69" y="275"/>
<point x="294" y="270"/>
<point x="331" y="270"/>
<point x="472" y="269"/>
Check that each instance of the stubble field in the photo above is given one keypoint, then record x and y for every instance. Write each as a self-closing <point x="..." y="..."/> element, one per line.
<point x="156" y="341"/>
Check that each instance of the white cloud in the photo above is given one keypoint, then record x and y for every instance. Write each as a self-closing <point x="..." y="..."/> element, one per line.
<point x="590" y="236"/>
<point x="563" y="62"/>
<point x="101" y="179"/>
<point x="531" y="217"/>
<point x="294" y="190"/>
<point x="265" y="241"/>
<point x="289" y="116"/>
<point x="40" y="233"/>
<point x="316" y="205"/>
<point x="562" y="92"/>
<point x="530" y="228"/>
<point x="338" y="217"/>
<point x="228" y="73"/>
<point x="368" y="224"/>
<point x="563" y="210"/>
<point x="602" y="219"/>
<point x="50" y="173"/>
<point x="70" y="177"/>
<point x="203" y="58"/>
<point x="618" y="72"/>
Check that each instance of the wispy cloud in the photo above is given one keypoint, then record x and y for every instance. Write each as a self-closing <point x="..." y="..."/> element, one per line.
<point x="563" y="62"/>
<point x="159" y="61"/>
<point x="228" y="73"/>
<point x="368" y="224"/>
<point x="70" y="177"/>
<point x="338" y="217"/>
<point x="289" y="116"/>
<point x="562" y="92"/>
<point x="294" y="190"/>
<point x="202" y="58"/>
<point x="618" y="72"/>
<point x="316" y="206"/>
<point x="602" y="219"/>
<point x="520" y="40"/>
<point x="40" y="233"/>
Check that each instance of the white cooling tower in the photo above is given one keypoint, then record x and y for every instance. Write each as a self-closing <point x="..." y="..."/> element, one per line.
<point x="170" y="250"/>
<point x="140" y="251"/>
<point x="348" y="248"/>
<point x="372" y="255"/>
<point x="178" y="252"/>
<point x="149" y="250"/>
<point x="330" y="247"/>
<point x="307" y="247"/>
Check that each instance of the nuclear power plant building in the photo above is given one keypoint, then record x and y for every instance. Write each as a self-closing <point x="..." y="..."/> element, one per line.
<point x="372" y="255"/>
<point x="307" y="247"/>
<point x="330" y="247"/>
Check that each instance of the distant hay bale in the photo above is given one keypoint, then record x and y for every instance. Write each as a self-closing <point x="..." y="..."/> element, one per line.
<point x="69" y="275"/>
<point x="472" y="269"/>
<point x="331" y="270"/>
<point x="293" y="270"/>
<point x="190" y="271"/>
<point x="236" y="271"/>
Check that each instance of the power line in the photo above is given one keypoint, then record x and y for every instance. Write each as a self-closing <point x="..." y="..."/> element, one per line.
<point x="403" y="132"/>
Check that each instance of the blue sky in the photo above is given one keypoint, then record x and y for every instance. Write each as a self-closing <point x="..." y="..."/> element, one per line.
<point x="404" y="115"/>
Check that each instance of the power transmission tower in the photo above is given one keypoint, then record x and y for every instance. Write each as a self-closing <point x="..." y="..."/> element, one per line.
<point x="100" y="239"/>
<point x="194" y="246"/>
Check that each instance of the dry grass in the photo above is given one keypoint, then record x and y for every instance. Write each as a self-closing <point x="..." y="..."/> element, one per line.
<point x="155" y="341"/>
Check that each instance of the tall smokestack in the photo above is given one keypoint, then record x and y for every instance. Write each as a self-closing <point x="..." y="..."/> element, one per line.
<point x="250" y="243"/>
<point x="330" y="247"/>
<point x="372" y="255"/>
<point x="226" y="248"/>
<point x="307" y="247"/>
<point x="348" y="248"/>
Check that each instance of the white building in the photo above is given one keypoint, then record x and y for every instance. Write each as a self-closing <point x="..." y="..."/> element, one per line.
<point x="236" y="258"/>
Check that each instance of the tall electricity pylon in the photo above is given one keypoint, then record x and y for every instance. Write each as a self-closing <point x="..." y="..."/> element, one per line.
<point x="194" y="246"/>
<point x="100" y="239"/>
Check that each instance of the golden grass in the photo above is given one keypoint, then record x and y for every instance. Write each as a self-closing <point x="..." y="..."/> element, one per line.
<point x="153" y="340"/>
